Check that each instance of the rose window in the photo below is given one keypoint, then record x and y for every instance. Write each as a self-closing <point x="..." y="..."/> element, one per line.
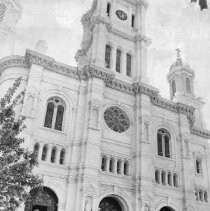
<point x="116" y="119"/>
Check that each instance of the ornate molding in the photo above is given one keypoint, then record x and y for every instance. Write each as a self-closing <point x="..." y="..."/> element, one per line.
<point x="12" y="61"/>
<point x="88" y="72"/>
<point x="200" y="132"/>
<point x="33" y="57"/>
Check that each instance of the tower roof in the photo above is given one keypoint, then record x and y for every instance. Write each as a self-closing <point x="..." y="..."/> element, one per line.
<point x="179" y="65"/>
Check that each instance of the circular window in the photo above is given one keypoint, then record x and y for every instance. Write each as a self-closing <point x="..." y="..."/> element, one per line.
<point x="116" y="119"/>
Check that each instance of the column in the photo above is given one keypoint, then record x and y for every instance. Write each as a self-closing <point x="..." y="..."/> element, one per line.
<point x="49" y="151"/>
<point x="123" y="62"/>
<point x="57" y="158"/>
<point x="159" y="176"/>
<point x="121" y="166"/>
<point x="39" y="157"/>
<point x="107" y="163"/>
<point x="115" y="165"/>
<point x="113" y="59"/>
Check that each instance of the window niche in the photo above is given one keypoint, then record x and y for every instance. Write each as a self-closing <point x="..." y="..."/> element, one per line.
<point x="108" y="9"/>
<point x="198" y="166"/>
<point x="128" y="64"/>
<point x="163" y="143"/>
<point x="133" y="21"/>
<point x="118" y="60"/>
<point x="108" y="51"/>
<point x="62" y="156"/>
<point x="55" y="113"/>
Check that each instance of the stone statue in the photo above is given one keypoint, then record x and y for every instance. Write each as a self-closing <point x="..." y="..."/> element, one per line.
<point x="88" y="204"/>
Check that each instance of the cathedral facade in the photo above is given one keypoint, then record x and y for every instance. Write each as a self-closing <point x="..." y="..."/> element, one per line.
<point x="105" y="139"/>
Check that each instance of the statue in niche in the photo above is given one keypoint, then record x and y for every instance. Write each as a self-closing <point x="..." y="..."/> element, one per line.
<point x="88" y="204"/>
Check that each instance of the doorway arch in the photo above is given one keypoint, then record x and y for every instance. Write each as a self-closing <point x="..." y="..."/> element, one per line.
<point x="42" y="200"/>
<point x="167" y="209"/>
<point x="110" y="204"/>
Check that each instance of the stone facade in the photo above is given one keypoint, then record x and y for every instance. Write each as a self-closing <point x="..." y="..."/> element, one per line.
<point x="149" y="153"/>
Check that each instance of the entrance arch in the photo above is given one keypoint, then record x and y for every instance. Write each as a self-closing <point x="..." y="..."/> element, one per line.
<point x="110" y="204"/>
<point x="42" y="200"/>
<point x="167" y="209"/>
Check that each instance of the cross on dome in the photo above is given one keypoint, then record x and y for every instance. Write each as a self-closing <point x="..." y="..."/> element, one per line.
<point x="179" y="58"/>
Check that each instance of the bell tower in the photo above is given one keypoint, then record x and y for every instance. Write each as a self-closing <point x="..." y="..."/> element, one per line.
<point x="181" y="82"/>
<point x="10" y="12"/>
<point x="114" y="38"/>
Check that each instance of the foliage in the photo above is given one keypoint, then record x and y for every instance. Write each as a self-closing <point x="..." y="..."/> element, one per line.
<point x="16" y="162"/>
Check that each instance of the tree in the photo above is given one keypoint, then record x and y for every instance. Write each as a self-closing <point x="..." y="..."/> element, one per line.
<point x="16" y="162"/>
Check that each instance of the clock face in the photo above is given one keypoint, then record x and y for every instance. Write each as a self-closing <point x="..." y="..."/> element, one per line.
<point x="121" y="15"/>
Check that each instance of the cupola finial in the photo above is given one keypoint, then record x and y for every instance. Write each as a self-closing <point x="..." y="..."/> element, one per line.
<point x="179" y="58"/>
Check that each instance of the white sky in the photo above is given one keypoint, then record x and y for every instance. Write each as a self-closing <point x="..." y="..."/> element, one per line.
<point x="58" y="23"/>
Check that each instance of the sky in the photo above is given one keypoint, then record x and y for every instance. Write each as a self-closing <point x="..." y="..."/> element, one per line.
<point x="169" y="25"/>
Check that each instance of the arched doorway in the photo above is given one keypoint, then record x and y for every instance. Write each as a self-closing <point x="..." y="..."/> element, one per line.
<point x="109" y="204"/>
<point x="42" y="200"/>
<point x="167" y="209"/>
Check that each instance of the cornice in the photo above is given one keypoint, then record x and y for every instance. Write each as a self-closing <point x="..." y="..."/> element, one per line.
<point x="88" y="72"/>
<point x="200" y="132"/>
<point x="33" y="57"/>
<point x="134" y="38"/>
<point x="12" y="61"/>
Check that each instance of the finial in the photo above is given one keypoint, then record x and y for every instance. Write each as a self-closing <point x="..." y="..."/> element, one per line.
<point x="179" y="58"/>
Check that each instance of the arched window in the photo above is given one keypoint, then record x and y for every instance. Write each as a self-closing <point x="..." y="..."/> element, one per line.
<point x="163" y="177"/>
<point x="173" y="86"/>
<point x="53" y="153"/>
<point x="103" y="163"/>
<point x="163" y="143"/>
<point x="108" y="56"/>
<point x="175" y="180"/>
<point x="2" y="11"/>
<point x="128" y="64"/>
<point x="44" y="153"/>
<point x="133" y="21"/>
<point x="36" y="150"/>
<point x="157" y="176"/>
<point x="111" y="165"/>
<point x="198" y="166"/>
<point x="108" y="9"/>
<point x="62" y="156"/>
<point x="49" y="115"/>
<point x="118" y="166"/>
<point x="200" y="195"/>
<point x="203" y="4"/>
<point x="169" y="179"/>
<point x="118" y="61"/>
<point x="196" y="194"/>
<point x="205" y="196"/>
<point x="126" y="166"/>
<point x="59" y="118"/>
<point x="188" y="87"/>
<point x="54" y="114"/>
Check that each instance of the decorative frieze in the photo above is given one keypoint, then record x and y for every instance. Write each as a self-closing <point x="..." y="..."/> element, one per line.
<point x="12" y="61"/>
<point x="88" y="72"/>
